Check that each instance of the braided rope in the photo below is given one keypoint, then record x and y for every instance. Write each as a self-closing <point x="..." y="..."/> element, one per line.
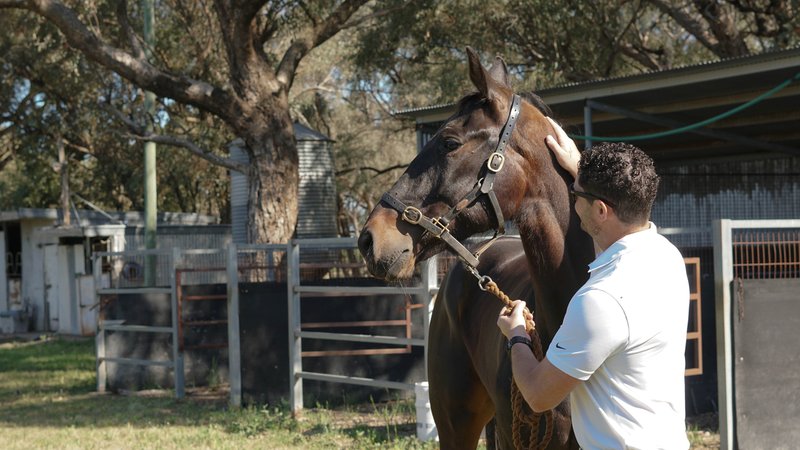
<point x="524" y="416"/>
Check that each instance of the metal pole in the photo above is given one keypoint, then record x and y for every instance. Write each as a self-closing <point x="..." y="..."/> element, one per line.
<point x="430" y="283"/>
<point x="177" y="352"/>
<point x="295" y="342"/>
<point x="150" y="193"/>
<point x="723" y="276"/>
<point x="587" y="125"/>
<point x="234" y="347"/>
<point x="100" y="338"/>
<point x="63" y="168"/>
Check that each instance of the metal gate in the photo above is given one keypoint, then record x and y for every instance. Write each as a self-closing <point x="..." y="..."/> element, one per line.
<point x="757" y="274"/>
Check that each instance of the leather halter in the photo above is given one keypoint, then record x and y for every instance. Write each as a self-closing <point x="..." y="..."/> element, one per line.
<point x="438" y="227"/>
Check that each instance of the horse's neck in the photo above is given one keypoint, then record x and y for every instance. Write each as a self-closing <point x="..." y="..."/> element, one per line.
<point x="558" y="254"/>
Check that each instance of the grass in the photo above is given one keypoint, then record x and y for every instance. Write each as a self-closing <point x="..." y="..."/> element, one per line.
<point x="48" y="401"/>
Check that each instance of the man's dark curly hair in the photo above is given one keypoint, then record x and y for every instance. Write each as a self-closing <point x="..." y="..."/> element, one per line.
<point x="624" y="175"/>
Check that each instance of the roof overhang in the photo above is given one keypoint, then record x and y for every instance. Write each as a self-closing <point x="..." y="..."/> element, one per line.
<point x="658" y="101"/>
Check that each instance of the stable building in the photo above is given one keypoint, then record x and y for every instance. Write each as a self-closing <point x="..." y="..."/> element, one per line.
<point x="725" y="137"/>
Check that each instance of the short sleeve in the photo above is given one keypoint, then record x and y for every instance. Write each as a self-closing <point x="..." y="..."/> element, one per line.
<point x="594" y="328"/>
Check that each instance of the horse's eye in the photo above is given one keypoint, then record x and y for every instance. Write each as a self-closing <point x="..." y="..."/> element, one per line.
<point x="451" y="144"/>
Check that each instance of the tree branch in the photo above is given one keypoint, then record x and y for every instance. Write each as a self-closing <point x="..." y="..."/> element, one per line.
<point x="138" y="132"/>
<point x="194" y="149"/>
<point x="698" y="30"/>
<point x="372" y="169"/>
<point x="313" y="37"/>
<point x="135" y="69"/>
<point x="127" y="31"/>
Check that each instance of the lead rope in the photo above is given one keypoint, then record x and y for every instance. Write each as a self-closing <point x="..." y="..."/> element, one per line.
<point x="523" y="414"/>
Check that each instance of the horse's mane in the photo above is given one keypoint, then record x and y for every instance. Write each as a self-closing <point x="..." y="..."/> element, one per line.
<point x="537" y="101"/>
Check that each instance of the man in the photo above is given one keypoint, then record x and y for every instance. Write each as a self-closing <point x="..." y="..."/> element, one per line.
<point x="619" y="353"/>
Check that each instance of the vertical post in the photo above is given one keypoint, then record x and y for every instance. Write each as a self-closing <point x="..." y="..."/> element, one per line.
<point x="100" y="337"/>
<point x="723" y="277"/>
<point x="177" y="353"/>
<point x="150" y="194"/>
<point x="63" y="168"/>
<point x="295" y="343"/>
<point x="234" y="350"/>
<point x="100" y="344"/>
<point x="429" y="284"/>
<point x="587" y="124"/>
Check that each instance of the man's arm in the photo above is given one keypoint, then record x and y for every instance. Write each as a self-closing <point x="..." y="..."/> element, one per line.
<point x="542" y="384"/>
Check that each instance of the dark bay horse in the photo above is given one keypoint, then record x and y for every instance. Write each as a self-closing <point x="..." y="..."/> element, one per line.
<point x="468" y="368"/>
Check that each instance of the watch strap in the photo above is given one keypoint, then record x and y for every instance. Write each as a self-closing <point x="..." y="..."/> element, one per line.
<point x="519" y="340"/>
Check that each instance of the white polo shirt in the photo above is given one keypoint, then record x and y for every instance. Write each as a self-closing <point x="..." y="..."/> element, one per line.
<point x="624" y="335"/>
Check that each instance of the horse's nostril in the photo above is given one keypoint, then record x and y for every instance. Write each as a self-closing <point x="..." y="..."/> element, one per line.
<point x="365" y="243"/>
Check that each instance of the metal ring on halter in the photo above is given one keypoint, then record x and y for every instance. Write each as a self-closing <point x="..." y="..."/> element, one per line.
<point x="484" y="281"/>
<point x="412" y="215"/>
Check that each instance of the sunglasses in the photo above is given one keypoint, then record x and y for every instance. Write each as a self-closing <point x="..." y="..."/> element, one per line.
<point x="587" y="195"/>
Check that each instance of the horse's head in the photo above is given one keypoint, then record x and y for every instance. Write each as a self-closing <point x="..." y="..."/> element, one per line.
<point x="447" y="190"/>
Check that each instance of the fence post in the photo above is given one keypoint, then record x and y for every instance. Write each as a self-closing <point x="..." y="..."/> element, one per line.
<point x="723" y="276"/>
<point x="100" y="337"/>
<point x="295" y="342"/>
<point x="429" y="282"/>
<point x="177" y="354"/>
<point x="234" y="349"/>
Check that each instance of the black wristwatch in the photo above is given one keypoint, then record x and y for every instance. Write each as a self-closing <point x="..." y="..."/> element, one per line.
<point x="519" y="340"/>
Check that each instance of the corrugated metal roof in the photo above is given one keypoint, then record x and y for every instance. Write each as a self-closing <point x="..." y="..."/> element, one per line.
<point x="656" y="102"/>
<point x="89" y="217"/>
<point x="674" y="73"/>
<point x="303" y="133"/>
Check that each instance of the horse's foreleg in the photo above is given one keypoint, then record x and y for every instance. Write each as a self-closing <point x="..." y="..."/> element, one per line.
<point x="459" y="402"/>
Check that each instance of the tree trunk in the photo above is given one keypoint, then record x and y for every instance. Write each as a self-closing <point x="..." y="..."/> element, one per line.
<point x="272" y="199"/>
<point x="274" y="176"/>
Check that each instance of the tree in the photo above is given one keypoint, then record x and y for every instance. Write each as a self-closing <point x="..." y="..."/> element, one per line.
<point x="547" y="43"/>
<point x="50" y="93"/>
<point x="262" y="44"/>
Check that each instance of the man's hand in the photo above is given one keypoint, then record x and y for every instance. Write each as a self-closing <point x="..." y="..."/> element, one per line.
<point x="564" y="149"/>
<point x="513" y="323"/>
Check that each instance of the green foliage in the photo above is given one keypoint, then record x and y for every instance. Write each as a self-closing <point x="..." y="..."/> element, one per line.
<point x="50" y="91"/>
<point x="547" y="43"/>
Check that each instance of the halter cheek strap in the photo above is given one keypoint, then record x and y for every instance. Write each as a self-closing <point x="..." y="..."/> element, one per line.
<point x="438" y="227"/>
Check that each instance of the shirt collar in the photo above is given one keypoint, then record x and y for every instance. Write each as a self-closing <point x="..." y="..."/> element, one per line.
<point x="621" y="246"/>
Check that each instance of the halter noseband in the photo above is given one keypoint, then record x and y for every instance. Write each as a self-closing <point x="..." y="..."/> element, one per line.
<point x="438" y="227"/>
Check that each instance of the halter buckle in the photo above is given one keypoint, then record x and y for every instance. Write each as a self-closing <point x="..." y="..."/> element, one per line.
<point x="412" y="215"/>
<point x="495" y="162"/>
<point x="441" y="226"/>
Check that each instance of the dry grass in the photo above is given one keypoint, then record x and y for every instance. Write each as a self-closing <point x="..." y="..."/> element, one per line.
<point x="47" y="401"/>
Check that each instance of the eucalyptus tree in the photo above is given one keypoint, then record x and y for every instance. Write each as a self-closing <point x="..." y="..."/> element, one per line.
<point x="50" y="94"/>
<point x="547" y="42"/>
<point x="239" y="61"/>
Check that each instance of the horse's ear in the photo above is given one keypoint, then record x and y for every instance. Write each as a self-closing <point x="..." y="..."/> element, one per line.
<point x="477" y="73"/>
<point x="499" y="71"/>
<point x="484" y="80"/>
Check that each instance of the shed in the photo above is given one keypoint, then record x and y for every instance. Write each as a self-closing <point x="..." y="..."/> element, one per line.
<point x="317" y="207"/>
<point x="45" y="273"/>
